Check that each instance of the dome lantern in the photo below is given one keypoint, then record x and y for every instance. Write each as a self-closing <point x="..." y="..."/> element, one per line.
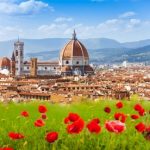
<point x="74" y="35"/>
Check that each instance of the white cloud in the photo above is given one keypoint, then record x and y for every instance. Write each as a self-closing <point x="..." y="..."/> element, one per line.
<point x="133" y="23"/>
<point x="52" y="30"/>
<point x="28" y="7"/>
<point x="117" y="28"/>
<point x="9" y="32"/>
<point x="122" y="29"/>
<point x="127" y="14"/>
<point x="63" y="19"/>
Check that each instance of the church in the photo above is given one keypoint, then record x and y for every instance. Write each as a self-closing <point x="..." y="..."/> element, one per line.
<point x="73" y="60"/>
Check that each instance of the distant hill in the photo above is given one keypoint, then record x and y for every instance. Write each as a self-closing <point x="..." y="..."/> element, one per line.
<point x="53" y="44"/>
<point x="141" y="54"/>
<point x="101" y="50"/>
<point x="136" y="44"/>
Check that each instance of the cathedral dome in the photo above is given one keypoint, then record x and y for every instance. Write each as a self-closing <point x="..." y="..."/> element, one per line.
<point x="4" y="63"/>
<point x="73" y="49"/>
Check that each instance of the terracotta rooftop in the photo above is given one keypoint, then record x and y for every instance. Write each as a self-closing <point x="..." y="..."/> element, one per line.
<point x="74" y="48"/>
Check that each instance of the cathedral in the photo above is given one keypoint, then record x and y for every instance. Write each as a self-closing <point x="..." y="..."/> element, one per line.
<point x="73" y="60"/>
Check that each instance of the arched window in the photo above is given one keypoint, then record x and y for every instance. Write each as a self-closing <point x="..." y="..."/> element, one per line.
<point x="67" y="62"/>
<point x="16" y="53"/>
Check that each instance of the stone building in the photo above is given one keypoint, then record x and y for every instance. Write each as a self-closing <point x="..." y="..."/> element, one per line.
<point x="74" y="60"/>
<point x="44" y="68"/>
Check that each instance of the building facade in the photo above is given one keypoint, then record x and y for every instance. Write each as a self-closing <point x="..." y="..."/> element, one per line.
<point x="43" y="68"/>
<point x="73" y="60"/>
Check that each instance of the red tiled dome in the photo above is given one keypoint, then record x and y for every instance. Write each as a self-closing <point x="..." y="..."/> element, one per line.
<point x="74" y="49"/>
<point x="4" y="62"/>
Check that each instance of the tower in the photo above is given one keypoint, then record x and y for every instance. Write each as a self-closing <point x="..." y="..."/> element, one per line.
<point x="19" y="57"/>
<point x="13" y="65"/>
<point x="33" y="71"/>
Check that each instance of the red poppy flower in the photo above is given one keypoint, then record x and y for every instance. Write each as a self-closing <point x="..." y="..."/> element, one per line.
<point x="43" y="116"/>
<point x="135" y="117"/>
<point x="39" y="123"/>
<point x="140" y="127"/>
<point x="138" y="107"/>
<point x="120" y="116"/>
<point x="115" y="126"/>
<point x="93" y="126"/>
<point x="142" y="112"/>
<point x="119" y="105"/>
<point x="15" y="136"/>
<point x="96" y="120"/>
<point x="73" y="117"/>
<point x="51" y="137"/>
<point x="66" y="120"/>
<point x="76" y="127"/>
<point x="25" y="114"/>
<point x="107" y="109"/>
<point x="6" y="148"/>
<point x="42" y="109"/>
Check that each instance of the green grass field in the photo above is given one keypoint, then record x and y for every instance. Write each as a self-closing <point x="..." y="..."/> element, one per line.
<point x="10" y="120"/>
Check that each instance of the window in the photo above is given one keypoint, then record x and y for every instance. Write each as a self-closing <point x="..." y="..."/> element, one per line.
<point x="45" y="68"/>
<point x="16" y="53"/>
<point x="77" y="62"/>
<point x="67" y="62"/>
<point x="21" y="53"/>
<point x="28" y="68"/>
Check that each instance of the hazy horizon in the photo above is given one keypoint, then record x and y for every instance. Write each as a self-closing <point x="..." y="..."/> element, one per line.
<point x="15" y="39"/>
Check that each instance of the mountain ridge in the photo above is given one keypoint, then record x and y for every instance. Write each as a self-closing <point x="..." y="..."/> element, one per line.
<point x="100" y="49"/>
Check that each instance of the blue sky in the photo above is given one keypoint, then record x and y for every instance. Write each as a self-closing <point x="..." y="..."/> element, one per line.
<point x="122" y="20"/>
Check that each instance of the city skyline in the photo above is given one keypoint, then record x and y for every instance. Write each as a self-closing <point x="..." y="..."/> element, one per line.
<point x="122" y="20"/>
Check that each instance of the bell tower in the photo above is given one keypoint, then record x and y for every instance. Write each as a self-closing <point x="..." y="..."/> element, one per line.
<point x="19" y="57"/>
